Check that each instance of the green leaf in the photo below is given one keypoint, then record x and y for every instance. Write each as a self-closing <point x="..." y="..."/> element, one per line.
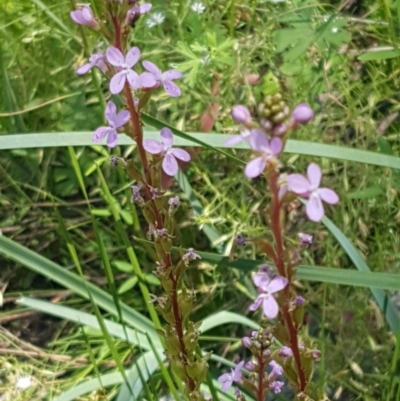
<point x="366" y="193"/>
<point x="379" y="54"/>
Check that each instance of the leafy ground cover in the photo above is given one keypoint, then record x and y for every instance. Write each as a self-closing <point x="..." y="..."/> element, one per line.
<point x="67" y="205"/>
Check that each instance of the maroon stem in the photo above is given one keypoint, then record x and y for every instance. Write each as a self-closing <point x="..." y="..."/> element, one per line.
<point x="138" y="137"/>
<point x="261" y="368"/>
<point x="280" y="264"/>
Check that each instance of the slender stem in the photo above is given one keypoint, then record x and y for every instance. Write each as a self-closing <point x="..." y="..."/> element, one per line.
<point x="261" y="368"/>
<point x="280" y="264"/>
<point x="138" y="137"/>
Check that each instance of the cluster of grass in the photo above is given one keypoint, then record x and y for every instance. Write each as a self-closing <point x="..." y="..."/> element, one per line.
<point x="314" y="48"/>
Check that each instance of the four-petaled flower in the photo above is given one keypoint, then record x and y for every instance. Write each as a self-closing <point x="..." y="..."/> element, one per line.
<point x="227" y="379"/>
<point x="84" y="16"/>
<point x="308" y="188"/>
<point x="95" y="60"/>
<point x="267" y="150"/>
<point x="136" y="11"/>
<point x="170" y="154"/>
<point x="115" y="121"/>
<point x="267" y="287"/>
<point x="155" y="77"/>
<point x="125" y="72"/>
<point x="190" y="255"/>
<point x="155" y="19"/>
<point x="245" y="135"/>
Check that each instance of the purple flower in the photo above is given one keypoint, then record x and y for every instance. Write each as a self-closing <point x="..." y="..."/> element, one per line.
<point x="95" y="60"/>
<point x="267" y="150"/>
<point x="309" y="188"/>
<point x="267" y="287"/>
<point x="303" y="113"/>
<point x="84" y="16"/>
<point x="276" y="386"/>
<point x="136" y="11"/>
<point x="241" y="114"/>
<point x="245" y="135"/>
<point x="246" y="342"/>
<point x="285" y="352"/>
<point x="305" y="239"/>
<point x="228" y="378"/>
<point x="115" y="121"/>
<point x="190" y="255"/>
<point x="155" y="77"/>
<point x="169" y="164"/>
<point x="124" y="64"/>
<point x="249" y="366"/>
<point x="299" y="301"/>
<point x="277" y="369"/>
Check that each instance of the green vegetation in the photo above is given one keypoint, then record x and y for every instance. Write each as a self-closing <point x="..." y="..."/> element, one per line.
<point x="72" y="243"/>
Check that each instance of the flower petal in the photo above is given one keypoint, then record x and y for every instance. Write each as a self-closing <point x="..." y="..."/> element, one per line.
<point x="276" y="146"/>
<point x="227" y="385"/>
<point x="133" y="79"/>
<point x="84" y="68"/>
<point x="100" y="134"/>
<point x="170" y="165"/>
<point x="171" y="88"/>
<point x="170" y="75"/>
<point x="114" y="56"/>
<point x="152" y="146"/>
<point x="112" y="139"/>
<point x="76" y="16"/>
<point x="298" y="184"/>
<point x="151" y="67"/>
<point x="167" y="137"/>
<point x="328" y="195"/>
<point x="87" y="14"/>
<point x="147" y="80"/>
<point x="225" y="377"/>
<point x="145" y="8"/>
<point x="122" y="118"/>
<point x="256" y="304"/>
<point x="237" y="374"/>
<point x="132" y="57"/>
<point x="315" y="208"/>
<point x="276" y="284"/>
<point x="111" y="112"/>
<point x="181" y="154"/>
<point x="314" y="175"/>
<point x="258" y="141"/>
<point x="270" y="307"/>
<point x="255" y="167"/>
<point x="234" y="140"/>
<point x="117" y="82"/>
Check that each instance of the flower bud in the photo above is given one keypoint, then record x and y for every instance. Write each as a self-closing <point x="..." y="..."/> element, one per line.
<point x="303" y="113"/>
<point x="246" y="341"/>
<point x="249" y="366"/>
<point x="241" y="114"/>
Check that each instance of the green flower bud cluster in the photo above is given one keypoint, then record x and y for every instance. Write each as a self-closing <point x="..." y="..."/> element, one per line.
<point x="273" y="110"/>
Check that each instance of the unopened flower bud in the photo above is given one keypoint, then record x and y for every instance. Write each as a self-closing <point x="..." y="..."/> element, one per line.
<point x="241" y="114"/>
<point x="299" y="301"/>
<point x="303" y="113"/>
<point x="249" y="366"/>
<point x="246" y="341"/>
<point x="280" y="129"/>
<point x="285" y="352"/>
<point x="305" y="239"/>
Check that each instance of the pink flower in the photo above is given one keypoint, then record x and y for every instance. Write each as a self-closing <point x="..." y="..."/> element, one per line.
<point x="227" y="379"/>
<point x="241" y="114"/>
<point x="267" y="151"/>
<point x="303" y="113"/>
<point x="169" y="164"/>
<point x="136" y="11"/>
<point x="124" y="64"/>
<point x="155" y="77"/>
<point x="84" y="16"/>
<point x="245" y="135"/>
<point x="95" y="60"/>
<point x="308" y="188"/>
<point x="268" y="286"/>
<point x="115" y="121"/>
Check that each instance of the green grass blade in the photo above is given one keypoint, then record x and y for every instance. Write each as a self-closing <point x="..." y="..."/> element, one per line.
<point x="51" y="270"/>
<point x="134" y="337"/>
<point x="147" y="364"/>
<point x="381" y="298"/>
<point x="225" y="317"/>
<point x="44" y="140"/>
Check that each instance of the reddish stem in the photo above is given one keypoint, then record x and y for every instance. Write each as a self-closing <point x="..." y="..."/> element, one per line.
<point x="138" y="137"/>
<point x="261" y="368"/>
<point x="280" y="264"/>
